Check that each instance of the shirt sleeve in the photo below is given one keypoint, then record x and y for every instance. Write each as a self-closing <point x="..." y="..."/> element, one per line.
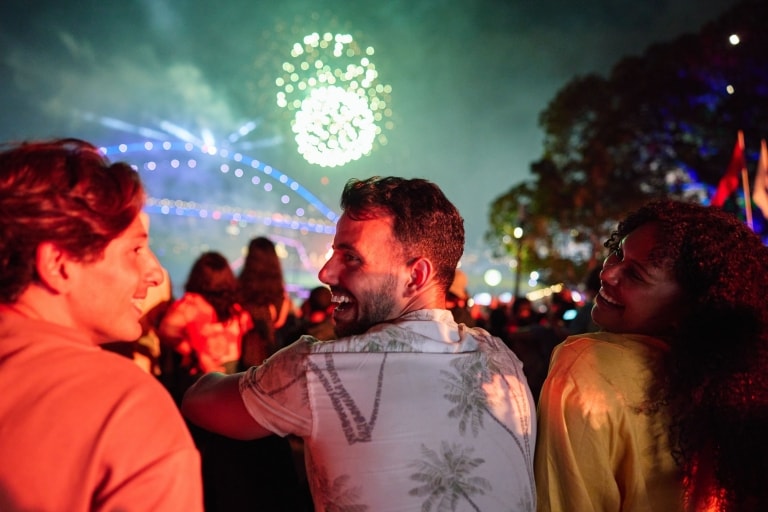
<point x="275" y="393"/>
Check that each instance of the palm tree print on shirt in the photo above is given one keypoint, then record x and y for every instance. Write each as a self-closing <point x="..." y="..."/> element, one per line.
<point x="354" y="425"/>
<point x="446" y="477"/>
<point x="335" y="496"/>
<point x="466" y="391"/>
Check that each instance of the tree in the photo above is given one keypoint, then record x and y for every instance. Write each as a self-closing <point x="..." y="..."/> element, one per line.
<point x="660" y="125"/>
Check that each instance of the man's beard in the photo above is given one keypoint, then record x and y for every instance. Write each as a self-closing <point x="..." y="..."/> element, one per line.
<point x="376" y="309"/>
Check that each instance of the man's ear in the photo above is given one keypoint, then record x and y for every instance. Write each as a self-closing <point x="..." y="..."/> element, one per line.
<point x="51" y="265"/>
<point x="421" y="272"/>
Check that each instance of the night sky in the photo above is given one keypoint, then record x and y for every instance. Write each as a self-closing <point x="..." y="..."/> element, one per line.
<point x="468" y="78"/>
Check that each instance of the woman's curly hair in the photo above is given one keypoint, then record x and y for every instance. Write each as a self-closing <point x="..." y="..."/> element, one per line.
<point x="714" y="379"/>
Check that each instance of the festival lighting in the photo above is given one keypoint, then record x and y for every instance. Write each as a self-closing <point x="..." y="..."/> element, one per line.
<point x="340" y="108"/>
<point x="218" y="198"/>
<point x="544" y="292"/>
<point x="492" y="277"/>
<point x="518" y="234"/>
<point x="238" y="164"/>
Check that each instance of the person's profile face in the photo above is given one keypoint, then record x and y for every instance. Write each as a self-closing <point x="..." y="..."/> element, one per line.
<point x="637" y="296"/>
<point x="106" y="295"/>
<point x="366" y="274"/>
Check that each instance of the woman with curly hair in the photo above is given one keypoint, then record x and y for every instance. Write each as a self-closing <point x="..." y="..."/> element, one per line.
<point x="667" y="407"/>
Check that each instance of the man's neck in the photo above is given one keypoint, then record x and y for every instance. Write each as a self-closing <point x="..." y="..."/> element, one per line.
<point x="39" y="303"/>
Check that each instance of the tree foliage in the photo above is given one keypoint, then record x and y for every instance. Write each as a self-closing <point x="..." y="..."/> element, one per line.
<point x="662" y="124"/>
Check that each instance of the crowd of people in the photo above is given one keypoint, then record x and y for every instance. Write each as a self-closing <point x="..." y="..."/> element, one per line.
<point x="381" y="391"/>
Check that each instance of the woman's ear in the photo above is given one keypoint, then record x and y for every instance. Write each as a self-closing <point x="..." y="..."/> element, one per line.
<point x="51" y="265"/>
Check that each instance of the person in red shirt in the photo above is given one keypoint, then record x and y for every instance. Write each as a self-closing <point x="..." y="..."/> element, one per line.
<point x="81" y="428"/>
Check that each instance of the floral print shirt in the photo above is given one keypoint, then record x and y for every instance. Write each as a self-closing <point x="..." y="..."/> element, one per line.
<point x="416" y="414"/>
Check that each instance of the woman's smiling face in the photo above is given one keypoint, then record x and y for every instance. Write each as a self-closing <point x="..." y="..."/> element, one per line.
<point x="637" y="295"/>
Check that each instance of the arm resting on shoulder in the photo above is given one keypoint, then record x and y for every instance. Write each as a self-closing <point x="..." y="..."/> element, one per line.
<point x="214" y="403"/>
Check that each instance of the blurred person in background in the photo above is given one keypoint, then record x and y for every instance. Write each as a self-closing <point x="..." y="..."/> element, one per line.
<point x="456" y="300"/>
<point x="317" y="315"/>
<point x="532" y="338"/>
<point x="583" y="322"/>
<point x="206" y="325"/>
<point x="262" y="289"/>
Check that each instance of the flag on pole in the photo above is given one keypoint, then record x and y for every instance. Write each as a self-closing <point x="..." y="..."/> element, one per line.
<point x="760" y="190"/>
<point x="730" y="181"/>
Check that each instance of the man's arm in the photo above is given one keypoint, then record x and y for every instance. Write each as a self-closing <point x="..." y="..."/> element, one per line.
<point x="214" y="403"/>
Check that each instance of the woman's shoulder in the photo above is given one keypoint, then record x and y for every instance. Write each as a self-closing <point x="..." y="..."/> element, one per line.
<point x="611" y="342"/>
<point x="609" y="353"/>
<point x="600" y="369"/>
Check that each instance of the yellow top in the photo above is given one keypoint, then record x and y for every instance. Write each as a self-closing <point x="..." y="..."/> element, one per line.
<point x="601" y="446"/>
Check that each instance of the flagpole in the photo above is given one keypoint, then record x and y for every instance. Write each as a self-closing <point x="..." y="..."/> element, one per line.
<point x="745" y="182"/>
<point x="759" y="191"/>
<point x="747" y="196"/>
